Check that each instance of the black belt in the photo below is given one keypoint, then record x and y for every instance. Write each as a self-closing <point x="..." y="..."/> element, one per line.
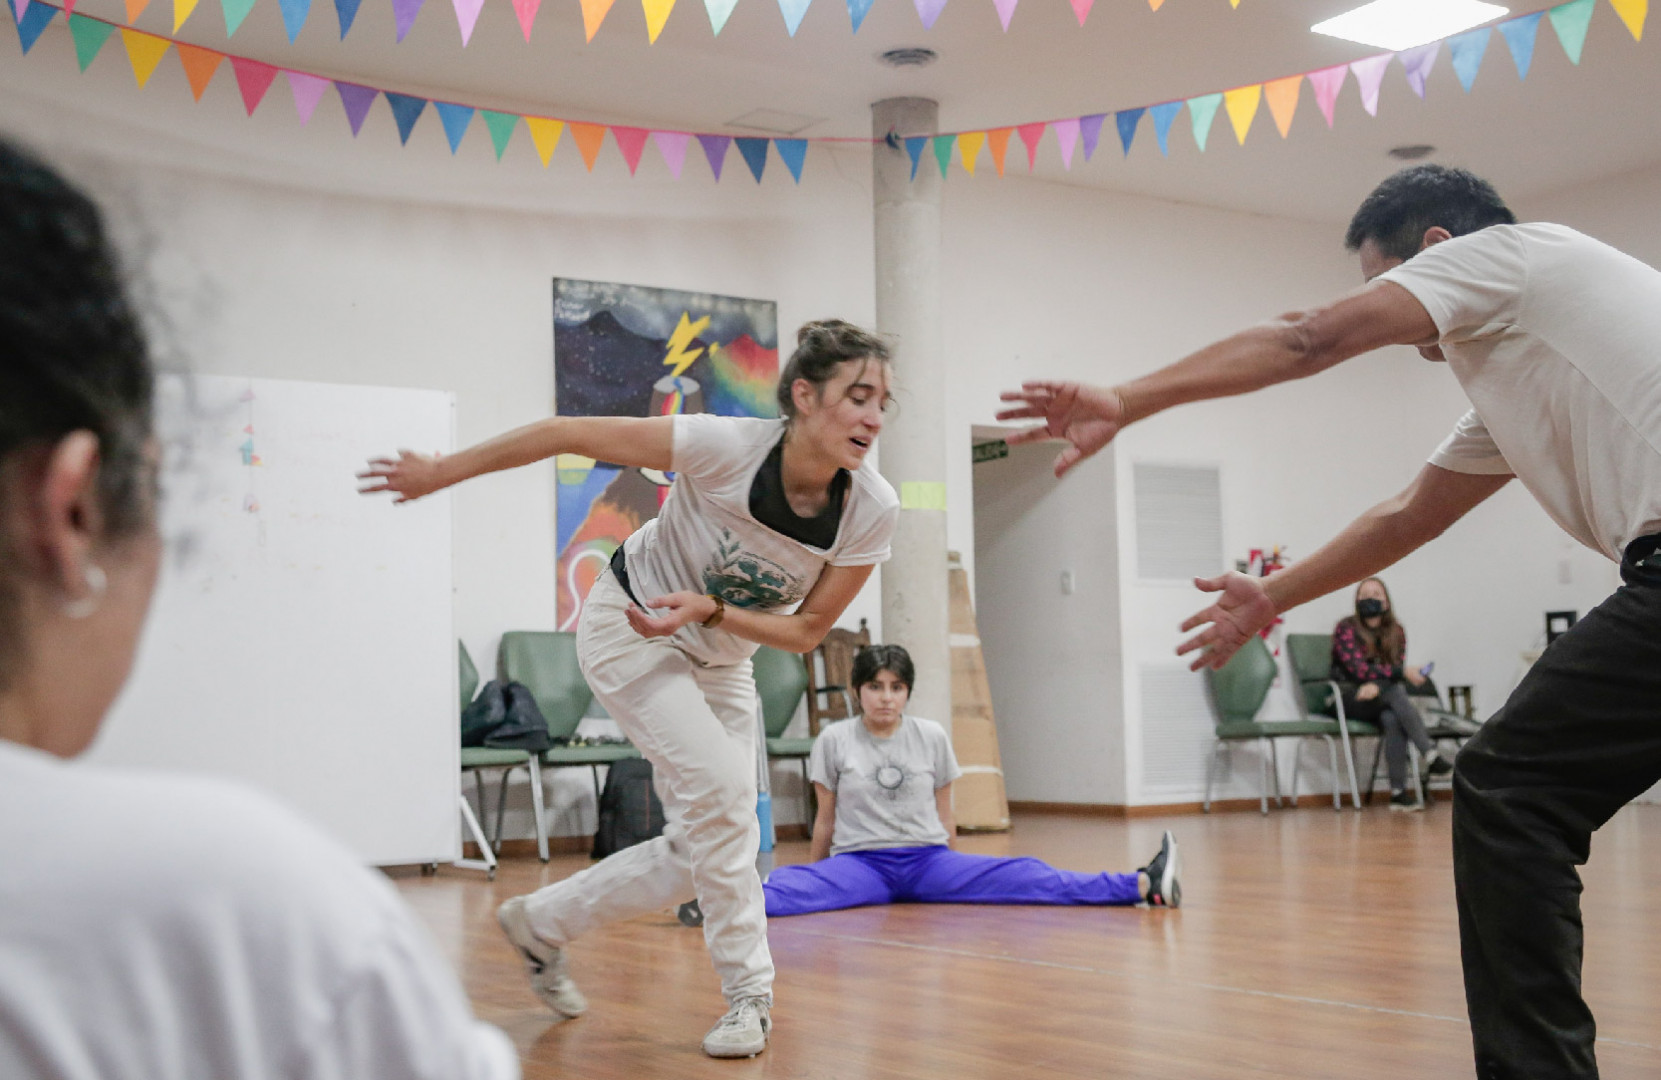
<point x="1645" y="551"/>
<point x="620" y="571"/>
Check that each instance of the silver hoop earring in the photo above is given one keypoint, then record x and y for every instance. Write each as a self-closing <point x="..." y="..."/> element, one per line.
<point x="97" y="581"/>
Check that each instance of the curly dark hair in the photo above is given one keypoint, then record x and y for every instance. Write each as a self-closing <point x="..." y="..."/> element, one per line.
<point x="820" y="347"/>
<point x="873" y="660"/>
<point x="1397" y="213"/>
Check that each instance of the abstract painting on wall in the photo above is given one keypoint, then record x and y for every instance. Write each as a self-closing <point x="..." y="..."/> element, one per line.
<point x="629" y="350"/>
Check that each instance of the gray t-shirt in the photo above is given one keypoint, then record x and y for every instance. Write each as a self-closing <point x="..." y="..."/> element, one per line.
<point x="884" y="787"/>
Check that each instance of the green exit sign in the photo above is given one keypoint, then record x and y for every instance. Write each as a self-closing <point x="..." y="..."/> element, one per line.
<point x="991" y="451"/>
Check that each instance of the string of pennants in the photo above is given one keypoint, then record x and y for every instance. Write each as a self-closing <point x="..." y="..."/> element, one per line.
<point x="1570" y="21"/>
<point x="594" y="12"/>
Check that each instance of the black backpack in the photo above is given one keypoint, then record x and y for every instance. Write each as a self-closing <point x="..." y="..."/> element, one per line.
<point x="630" y="812"/>
<point x="505" y="717"/>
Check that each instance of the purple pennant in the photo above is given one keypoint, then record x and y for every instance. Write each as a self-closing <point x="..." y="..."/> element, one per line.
<point x="356" y="100"/>
<point x="1006" y="11"/>
<point x="929" y="10"/>
<point x="1090" y="130"/>
<point x="404" y="13"/>
<point x="1418" y="63"/>
<point x="715" y="151"/>
<point x="1369" y="75"/>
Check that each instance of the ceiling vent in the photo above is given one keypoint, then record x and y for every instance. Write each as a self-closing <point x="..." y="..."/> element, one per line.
<point x="909" y="57"/>
<point x="1415" y="152"/>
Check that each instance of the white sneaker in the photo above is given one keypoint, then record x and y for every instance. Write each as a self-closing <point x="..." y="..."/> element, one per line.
<point x="742" y="1032"/>
<point x="544" y="962"/>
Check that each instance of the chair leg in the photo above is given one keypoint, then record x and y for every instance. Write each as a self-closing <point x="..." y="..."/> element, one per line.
<point x="487" y="861"/>
<point x="1418" y="775"/>
<point x="536" y="808"/>
<point x="1297" y="761"/>
<point x="810" y="799"/>
<point x="595" y="770"/>
<point x="1337" y="789"/>
<point x="1372" y="778"/>
<point x="1263" y="778"/>
<point x="478" y="789"/>
<point x="501" y="806"/>
<point x="1349" y="764"/>
<point x="1217" y="747"/>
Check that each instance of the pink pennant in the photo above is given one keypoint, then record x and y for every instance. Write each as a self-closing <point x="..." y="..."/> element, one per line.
<point x="1327" y="82"/>
<point x="308" y="91"/>
<point x="1066" y="133"/>
<point x="929" y="10"/>
<point x="632" y="141"/>
<point x="1081" y="8"/>
<point x="467" y="16"/>
<point x="1006" y="11"/>
<point x="253" y="79"/>
<point x="672" y="145"/>
<point x="526" y="11"/>
<point x="1031" y="134"/>
<point x="1369" y="74"/>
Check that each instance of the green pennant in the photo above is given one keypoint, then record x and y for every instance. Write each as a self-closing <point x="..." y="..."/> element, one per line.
<point x="1203" y="110"/>
<point x="235" y="12"/>
<point x="1570" y="21"/>
<point x="943" y="152"/>
<point x="501" y="127"/>
<point x="89" y="35"/>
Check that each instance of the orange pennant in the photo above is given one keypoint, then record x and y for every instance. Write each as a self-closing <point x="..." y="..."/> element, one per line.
<point x="199" y="65"/>
<point x="135" y="8"/>
<point x="1283" y="100"/>
<point x="145" y="51"/>
<point x="589" y="138"/>
<point x="998" y="140"/>
<point x="545" y="135"/>
<point x="594" y="13"/>
<point x="1155" y="4"/>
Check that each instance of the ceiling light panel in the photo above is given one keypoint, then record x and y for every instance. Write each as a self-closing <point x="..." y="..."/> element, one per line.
<point x="1404" y="24"/>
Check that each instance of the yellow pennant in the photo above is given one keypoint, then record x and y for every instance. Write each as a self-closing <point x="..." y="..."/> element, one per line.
<point x="1633" y="13"/>
<point x="657" y="13"/>
<point x="969" y="144"/>
<point x="1241" y="103"/>
<point x="545" y="134"/>
<point x="145" y="51"/>
<point x="1283" y="100"/>
<point x="594" y="13"/>
<point x="181" y="12"/>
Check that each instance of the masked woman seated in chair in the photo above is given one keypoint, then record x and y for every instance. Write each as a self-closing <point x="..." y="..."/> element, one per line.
<point x="885" y="833"/>
<point x="1369" y="661"/>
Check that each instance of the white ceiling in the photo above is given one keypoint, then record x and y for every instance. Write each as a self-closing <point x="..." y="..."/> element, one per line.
<point x="1565" y="125"/>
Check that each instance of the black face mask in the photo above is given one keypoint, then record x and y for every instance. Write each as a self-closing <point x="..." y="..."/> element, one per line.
<point x="1370" y="608"/>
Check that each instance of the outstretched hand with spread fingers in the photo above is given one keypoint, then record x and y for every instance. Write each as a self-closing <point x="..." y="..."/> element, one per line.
<point x="1088" y="417"/>
<point x="408" y="476"/>
<point x="1243" y="609"/>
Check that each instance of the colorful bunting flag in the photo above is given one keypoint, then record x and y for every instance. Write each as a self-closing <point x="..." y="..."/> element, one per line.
<point x="525" y="12"/>
<point x="914" y="148"/>
<point x="672" y="145"/>
<point x="943" y="152"/>
<point x="928" y="11"/>
<point x="144" y="51"/>
<point x="715" y="151"/>
<point x="467" y="17"/>
<point x="657" y="15"/>
<point x="1127" y="119"/>
<point x="355" y="100"/>
<point x="307" y="91"/>
<point x="1066" y="133"/>
<point x="1417" y="63"/>
<point x="1282" y="95"/>
<point x="794" y="154"/>
<point x="969" y="146"/>
<point x="181" y="11"/>
<point x="1326" y="84"/>
<point x="1090" y="132"/>
<point x="857" y="10"/>
<point x="632" y="141"/>
<point x="89" y="35"/>
<point x="403" y="15"/>
<point x="755" y="155"/>
<point x="253" y="79"/>
<point x="545" y="135"/>
<point x="998" y="141"/>
<point x="235" y="11"/>
<point x="1570" y="21"/>
<point x="589" y="138"/>
<point x="1081" y="8"/>
<point x="1031" y="134"/>
<point x="794" y="11"/>
<point x="1164" y="115"/>
<point x="1241" y="103"/>
<point x="1466" y="50"/>
<point x="455" y="119"/>
<point x="1369" y="76"/>
<point x="721" y="10"/>
<point x="294" y="16"/>
<point x="594" y="13"/>
<point x="406" y="110"/>
<point x="135" y="8"/>
<point x="32" y="24"/>
<point x="345" y="10"/>
<point x="1633" y="13"/>
<point x="500" y="126"/>
<point x="1006" y="11"/>
<point x="199" y="65"/>
<point x="1519" y="38"/>
<point x="1202" y="111"/>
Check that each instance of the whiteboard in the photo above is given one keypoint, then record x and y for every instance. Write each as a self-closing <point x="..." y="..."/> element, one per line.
<point x="302" y="638"/>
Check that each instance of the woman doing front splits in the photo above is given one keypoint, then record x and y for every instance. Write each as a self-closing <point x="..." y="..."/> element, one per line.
<point x="770" y="529"/>
<point x="884" y="781"/>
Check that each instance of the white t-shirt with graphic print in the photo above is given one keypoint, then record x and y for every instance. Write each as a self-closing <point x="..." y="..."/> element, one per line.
<point x="705" y="539"/>
<point x="884" y="787"/>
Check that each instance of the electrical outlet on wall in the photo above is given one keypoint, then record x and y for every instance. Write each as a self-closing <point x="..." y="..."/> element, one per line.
<point x="1067" y="583"/>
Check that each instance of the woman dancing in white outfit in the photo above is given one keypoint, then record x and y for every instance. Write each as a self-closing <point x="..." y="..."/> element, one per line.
<point x="769" y="531"/>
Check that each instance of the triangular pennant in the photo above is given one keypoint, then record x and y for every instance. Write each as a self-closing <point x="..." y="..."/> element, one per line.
<point x="721" y="10"/>
<point x="755" y="155"/>
<point x="355" y="100"/>
<point x="1417" y="63"/>
<point x="1202" y="111"/>
<point x="1241" y="103"/>
<point x="145" y="51"/>
<point x="406" y="110"/>
<point x="589" y="139"/>
<point x="594" y="13"/>
<point x="89" y="35"/>
<point x="793" y="11"/>
<point x="135" y="8"/>
<point x="545" y="135"/>
<point x="501" y="127"/>
<point x="467" y="17"/>
<point x="1164" y="115"/>
<point x="1519" y="38"/>
<point x="1127" y="119"/>
<point x="345" y="10"/>
<point x="1633" y="13"/>
<point x="253" y="79"/>
<point x="914" y="148"/>
<point x="307" y="91"/>
<point x="199" y="65"/>
<point x="181" y="11"/>
<point x="294" y="16"/>
<point x="1066" y="133"/>
<point x="1090" y="132"/>
<point x="968" y="148"/>
<point x="632" y="141"/>
<point x="943" y="152"/>
<point x="998" y="141"/>
<point x="1466" y="51"/>
<point x="235" y="11"/>
<point x="1570" y="21"/>
<point x="455" y="119"/>
<point x="525" y="12"/>
<point x="928" y="11"/>
<point x="1006" y="11"/>
<point x="657" y="14"/>
<point x="1326" y="83"/>
<point x="1282" y="95"/>
<point x="403" y="15"/>
<point x="715" y="151"/>
<point x="33" y="24"/>
<point x="794" y="154"/>
<point x="672" y="145"/>
<point x="1031" y="134"/>
<point x="857" y="10"/>
<point x="1081" y="8"/>
<point x="1369" y="76"/>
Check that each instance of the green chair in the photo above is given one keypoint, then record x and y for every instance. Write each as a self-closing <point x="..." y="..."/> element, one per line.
<point x="781" y="683"/>
<point x="545" y="662"/>
<point x="1320" y="700"/>
<point x="1237" y="693"/>
<point x="476" y="759"/>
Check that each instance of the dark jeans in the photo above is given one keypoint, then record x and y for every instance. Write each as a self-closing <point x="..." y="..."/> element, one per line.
<point x="1393" y="710"/>
<point x="1578" y="739"/>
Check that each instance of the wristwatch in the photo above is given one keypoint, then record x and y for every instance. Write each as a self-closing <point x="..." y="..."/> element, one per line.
<point x="720" y="613"/>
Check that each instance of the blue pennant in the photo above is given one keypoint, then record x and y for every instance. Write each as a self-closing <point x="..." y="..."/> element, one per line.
<point x="348" y="12"/>
<point x="33" y="23"/>
<point x="455" y="119"/>
<point x="1467" y="51"/>
<point x="755" y="155"/>
<point x="794" y="152"/>
<point x="1519" y="34"/>
<point x="1163" y="116"/>
<point x="914" y="146"/>
<point x="1127" y="119"/>
<point x="406" y="110"/>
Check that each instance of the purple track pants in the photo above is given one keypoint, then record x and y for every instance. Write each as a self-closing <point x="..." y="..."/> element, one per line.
<point x="935" y="875"/>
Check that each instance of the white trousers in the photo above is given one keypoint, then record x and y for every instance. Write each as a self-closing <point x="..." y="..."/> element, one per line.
<point x="697" y="726"/>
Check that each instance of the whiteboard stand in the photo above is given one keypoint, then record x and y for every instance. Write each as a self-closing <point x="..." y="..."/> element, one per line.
<point x="488" y="863"/>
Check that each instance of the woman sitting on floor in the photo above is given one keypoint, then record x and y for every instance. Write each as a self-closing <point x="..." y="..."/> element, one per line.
<point x="884" y="833"/>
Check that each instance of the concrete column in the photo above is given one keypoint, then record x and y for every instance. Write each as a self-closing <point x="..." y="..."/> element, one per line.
<point x="913" y="445"/>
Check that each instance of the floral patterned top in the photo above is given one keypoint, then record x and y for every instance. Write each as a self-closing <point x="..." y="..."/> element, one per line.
<point x="1349" y="658"/>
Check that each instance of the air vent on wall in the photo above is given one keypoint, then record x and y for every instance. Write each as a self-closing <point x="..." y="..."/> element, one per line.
<point x="1176" y="728"/>
<point x="1179" y="522"/>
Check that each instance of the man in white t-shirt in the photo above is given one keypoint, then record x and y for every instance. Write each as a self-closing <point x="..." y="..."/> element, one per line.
<point x="1556" y="339"/>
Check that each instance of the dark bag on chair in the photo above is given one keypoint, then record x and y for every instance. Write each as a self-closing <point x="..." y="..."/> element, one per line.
<point x="484" y="714"/>
<point x="630" y="812"/>
<point x="524" y="727"/>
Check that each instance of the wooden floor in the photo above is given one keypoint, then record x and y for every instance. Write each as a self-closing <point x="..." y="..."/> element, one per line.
<point x="1310" y="944"/>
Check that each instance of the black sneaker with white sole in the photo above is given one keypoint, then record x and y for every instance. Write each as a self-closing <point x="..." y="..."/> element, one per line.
<point x="1404" y="802"/>
<point x="1164" y="875"/>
